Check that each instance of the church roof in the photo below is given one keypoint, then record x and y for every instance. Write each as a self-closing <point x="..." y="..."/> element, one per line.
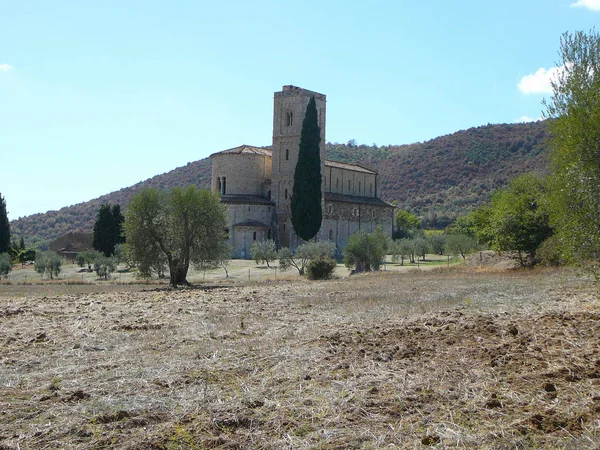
<point x="354" y="167"/>
<point x="333" y="197"/>
<point x="266" y="151"/>
<point x="246" y="149"/>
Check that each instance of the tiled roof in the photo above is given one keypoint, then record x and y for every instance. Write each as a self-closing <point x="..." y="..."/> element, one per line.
<point x="266" y="151"/>
<point x="332" y="197"/>
<point x="246" y="199"/>
<point x="354" y="167"/>
<point x="246" y="149"/>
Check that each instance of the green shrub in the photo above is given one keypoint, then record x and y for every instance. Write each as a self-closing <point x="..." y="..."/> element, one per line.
<point x="320" y="269"/>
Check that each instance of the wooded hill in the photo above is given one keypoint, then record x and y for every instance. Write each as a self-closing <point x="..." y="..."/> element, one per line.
<point x="437" y="180"/>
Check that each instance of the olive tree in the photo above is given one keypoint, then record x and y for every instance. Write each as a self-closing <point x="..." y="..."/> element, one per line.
<point x="264" y="251"/>
<point x="48" y="263"/>
<point x="304" y="254"/>
<point x="184" y="226"/>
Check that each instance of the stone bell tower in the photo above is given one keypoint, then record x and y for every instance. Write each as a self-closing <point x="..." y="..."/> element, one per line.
<point x="289" y="110"/>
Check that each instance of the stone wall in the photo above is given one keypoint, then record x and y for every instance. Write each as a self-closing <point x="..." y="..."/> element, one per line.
<point x="349" y="182"/>
<point x="242" y="237"/>
<point x="245" y="173"/>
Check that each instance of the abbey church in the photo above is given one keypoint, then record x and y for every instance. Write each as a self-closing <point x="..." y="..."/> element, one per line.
<point x="256" y="183"/>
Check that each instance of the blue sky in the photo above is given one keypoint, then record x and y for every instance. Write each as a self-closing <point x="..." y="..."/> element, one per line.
<point x="96" y="96"/>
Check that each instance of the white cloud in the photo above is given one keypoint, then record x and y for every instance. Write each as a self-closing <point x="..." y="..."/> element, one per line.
<point x="539" y="82"/>
<point x="594" y="5"/>
<point x="525" y="119"/>
<point x="5" y="67"/>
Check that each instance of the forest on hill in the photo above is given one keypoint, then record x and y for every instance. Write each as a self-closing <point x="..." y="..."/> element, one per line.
<point x="436" y="180"/>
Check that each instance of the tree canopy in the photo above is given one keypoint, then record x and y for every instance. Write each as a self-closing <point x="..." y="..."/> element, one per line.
<point x="516" y="219"/>
<point x="575" y="147"/>
<point x="181" y="227"/>
<point x="307" y="212"/>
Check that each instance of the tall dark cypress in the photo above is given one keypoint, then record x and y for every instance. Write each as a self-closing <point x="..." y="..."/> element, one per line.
<point x="108" y="229"/>
<point x="307" y="213"/>
<point x="4" y="227"/>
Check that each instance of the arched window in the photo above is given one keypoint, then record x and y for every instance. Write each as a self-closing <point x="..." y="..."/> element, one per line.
<point x="285" y="194"/>
<point x="254" y="236"/>
<point x="331" y="235"/>
<point x="219" y="184"/>
<point x="287" y="154"/>
<point x="329" y="209"/>
<point x="289" y="118"/>
<point x="224" y="186"/>
<point x="355" y="212"/>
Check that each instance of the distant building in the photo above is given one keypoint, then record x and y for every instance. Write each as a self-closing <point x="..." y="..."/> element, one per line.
<point x="72" y="243"/>
<point x="256" y="184"/>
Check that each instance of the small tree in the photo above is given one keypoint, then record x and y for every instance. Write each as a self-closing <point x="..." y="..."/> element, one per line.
<point x="437" y="243"/>
<point x="264" y="251"/>
<point x="48" y="263"/>
<point x="365" y="251"/>
<point x="303" y="254"/>
<point x="517" y="220"/>
<point x="460" y="244"/>
<point x="421" y="247"/>
<point x="104" y="266"/>
<point x="5" y="264"/>
<point x="402" y="249"/>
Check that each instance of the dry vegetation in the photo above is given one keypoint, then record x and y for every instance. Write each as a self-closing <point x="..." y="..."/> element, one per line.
<point x="443" y="358"/>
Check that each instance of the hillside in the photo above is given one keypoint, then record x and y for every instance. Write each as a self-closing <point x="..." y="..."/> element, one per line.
<point x="437" y="179"/>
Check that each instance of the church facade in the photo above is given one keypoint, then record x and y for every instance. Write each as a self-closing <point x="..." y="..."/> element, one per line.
<point x="256" y="184"/>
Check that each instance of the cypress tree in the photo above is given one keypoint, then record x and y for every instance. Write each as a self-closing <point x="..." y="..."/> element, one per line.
<point x="108" y="229"/>
<point x="306" y="195"/>
<point x="4" y="227"/>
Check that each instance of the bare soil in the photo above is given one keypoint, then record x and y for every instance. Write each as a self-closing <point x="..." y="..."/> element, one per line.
<point x="445" y="358"/>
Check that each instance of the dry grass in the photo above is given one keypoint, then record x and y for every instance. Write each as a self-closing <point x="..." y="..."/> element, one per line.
<point x="447" y="358"/>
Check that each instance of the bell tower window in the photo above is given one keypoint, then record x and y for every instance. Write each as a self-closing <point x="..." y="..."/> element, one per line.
<point x="224" y="186"/>
<point x="289" y="119"/>
<point x="285" y="194"/>
<point x="287" y="154"/>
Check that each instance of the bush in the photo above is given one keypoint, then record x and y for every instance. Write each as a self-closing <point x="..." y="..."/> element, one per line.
<point x="5" y="264"/>
<point x="320" y="269"/>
